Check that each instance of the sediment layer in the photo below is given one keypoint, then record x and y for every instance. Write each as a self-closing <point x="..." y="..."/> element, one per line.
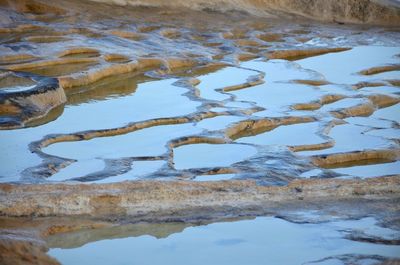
<point x="354" y="11"/>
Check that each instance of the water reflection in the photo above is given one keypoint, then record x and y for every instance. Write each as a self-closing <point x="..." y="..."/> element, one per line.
<point x="264" y="240"/>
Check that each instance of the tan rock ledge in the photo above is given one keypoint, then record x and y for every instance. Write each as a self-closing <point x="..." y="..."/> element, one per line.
<point x="162" y="199"/>
<point x="301" y="54"/>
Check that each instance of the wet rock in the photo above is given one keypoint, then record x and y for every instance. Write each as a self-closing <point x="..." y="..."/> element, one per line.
<point x="23" y="252"/>
<point x="301" y="54"/>
<point x="380" y="69"/>
<point x="19" y="107"/>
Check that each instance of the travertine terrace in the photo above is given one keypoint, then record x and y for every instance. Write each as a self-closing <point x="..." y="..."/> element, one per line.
<point x="199" y="113"/>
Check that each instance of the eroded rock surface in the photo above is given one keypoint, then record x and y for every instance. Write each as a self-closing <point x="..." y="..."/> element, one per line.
<point x="291" y="114"/>
<point x="170" y="198"/>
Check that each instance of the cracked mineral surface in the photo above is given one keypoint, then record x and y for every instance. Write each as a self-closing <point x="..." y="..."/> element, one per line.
<point x="208" y="132"/>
